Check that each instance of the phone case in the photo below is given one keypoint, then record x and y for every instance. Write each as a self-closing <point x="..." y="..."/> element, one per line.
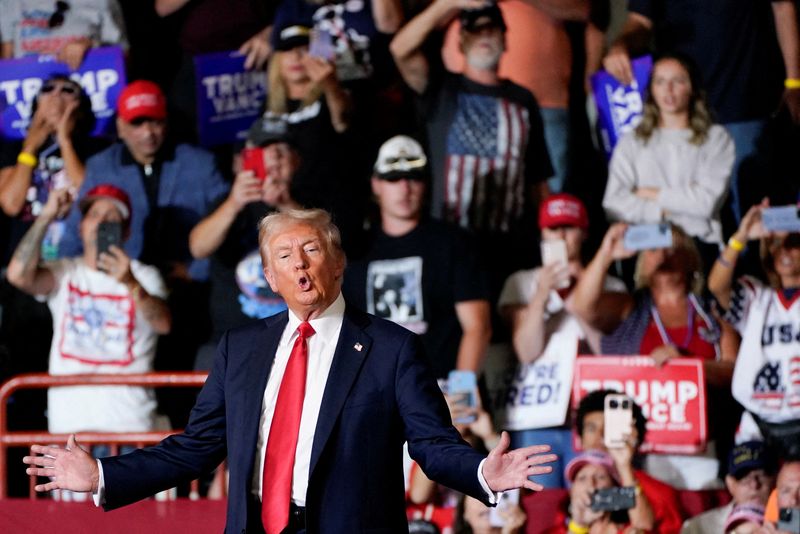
<point x="253" y="160"/>
<point x="647" y="237"/>
<point x="555" y="252"/>
<point x="617" y="420"/>
<point x="613" y="499"/>
<point x="781" y="219"/>
<point x="462" y="385"/>
<point x="108" y="233"/>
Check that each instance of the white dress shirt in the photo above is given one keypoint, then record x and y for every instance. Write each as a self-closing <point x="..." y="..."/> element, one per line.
<point x="321" y="347"/>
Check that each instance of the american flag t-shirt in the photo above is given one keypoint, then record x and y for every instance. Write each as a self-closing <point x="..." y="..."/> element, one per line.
<point x="485" y="165"/>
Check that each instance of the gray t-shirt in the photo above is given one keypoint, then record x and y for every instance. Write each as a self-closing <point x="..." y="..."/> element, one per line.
<point x="41" y="27"/>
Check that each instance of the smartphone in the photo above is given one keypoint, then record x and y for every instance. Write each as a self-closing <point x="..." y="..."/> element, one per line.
<point x="789" y="520"/>
<point x="617" y="420"/>
<point x="555" y="252"/>
<point x="613" y="499"/>
<point x="507" y="500"/>
<point x="781" y="219"/>
<point x="462" y="388"/>
<point x="108" y="233"/>
<point x="253" y="160"/>
<point x="647" y="236"/>
<point x="321" y="45"/>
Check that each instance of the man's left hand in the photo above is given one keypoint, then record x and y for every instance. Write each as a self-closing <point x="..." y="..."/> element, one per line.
<point x="505" y="470"/>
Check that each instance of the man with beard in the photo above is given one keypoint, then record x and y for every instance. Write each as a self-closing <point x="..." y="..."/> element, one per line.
<point x="488" y="157"/>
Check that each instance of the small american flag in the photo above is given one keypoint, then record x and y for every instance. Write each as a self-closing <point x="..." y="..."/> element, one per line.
<point x="767" y="386"/>
<point x="485" y="168"/>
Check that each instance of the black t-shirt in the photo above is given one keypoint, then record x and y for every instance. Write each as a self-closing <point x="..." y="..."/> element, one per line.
<point x="734" y="45"/>
<point x="416" y="280"/>
<point x="486" y="147"/>
<point x="220" y="25"/>
<point x="239" y="291"/>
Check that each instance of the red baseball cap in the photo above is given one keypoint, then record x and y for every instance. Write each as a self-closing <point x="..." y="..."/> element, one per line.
<point x="142" y="98"/>
<point x="110" y="192"/>
<point x="563" y="209"/>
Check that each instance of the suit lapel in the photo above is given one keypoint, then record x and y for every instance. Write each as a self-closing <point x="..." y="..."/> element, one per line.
<point x="260" y="357"/>
<point x="353" y="347"/>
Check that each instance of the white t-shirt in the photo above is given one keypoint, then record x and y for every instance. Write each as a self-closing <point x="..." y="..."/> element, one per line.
<point x="97" y="329"/>
<point x="520" y="287"/>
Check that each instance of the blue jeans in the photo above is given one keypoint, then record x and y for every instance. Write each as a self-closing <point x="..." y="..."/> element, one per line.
<point x="749" y="165"/>
<point x="560" y="441"/>
<point x="557" y="139"/>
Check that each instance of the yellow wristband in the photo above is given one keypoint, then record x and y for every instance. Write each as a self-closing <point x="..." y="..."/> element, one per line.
<point x="27" y="159"/>
<point x="575" y="528"/>
<point x="792" y="83"/>
<point x="735" y="244"/>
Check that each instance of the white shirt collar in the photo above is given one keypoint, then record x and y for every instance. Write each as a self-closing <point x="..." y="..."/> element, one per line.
<point x="326" y="325"/>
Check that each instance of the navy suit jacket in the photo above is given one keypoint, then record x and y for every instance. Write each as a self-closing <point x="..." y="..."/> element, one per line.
<point x="375" y="399"/>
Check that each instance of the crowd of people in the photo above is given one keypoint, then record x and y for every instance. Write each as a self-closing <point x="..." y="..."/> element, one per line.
<point x="450" y="141"/>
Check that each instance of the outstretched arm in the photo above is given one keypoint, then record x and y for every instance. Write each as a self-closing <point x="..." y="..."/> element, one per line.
<point x="505" y="470"/>
<point x="786" y="27"/>
<point x="70" y="468"/>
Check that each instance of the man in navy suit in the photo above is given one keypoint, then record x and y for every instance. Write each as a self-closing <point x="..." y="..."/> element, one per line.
<point x="367" y="391"/>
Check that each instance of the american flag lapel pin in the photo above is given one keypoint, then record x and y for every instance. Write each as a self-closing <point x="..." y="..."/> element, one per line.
<point x="358" y="347"/>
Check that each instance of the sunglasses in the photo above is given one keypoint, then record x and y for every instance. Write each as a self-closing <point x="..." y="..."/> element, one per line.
<point x="138" y="121"/>
<point x="65" y="88"/>
<point x="57" y="18"/>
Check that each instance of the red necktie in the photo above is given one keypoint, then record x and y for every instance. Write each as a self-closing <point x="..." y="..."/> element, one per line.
<point x="276" y="488"/>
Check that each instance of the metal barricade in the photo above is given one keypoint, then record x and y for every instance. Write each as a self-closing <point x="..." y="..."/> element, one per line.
<point x="114" y="440"/>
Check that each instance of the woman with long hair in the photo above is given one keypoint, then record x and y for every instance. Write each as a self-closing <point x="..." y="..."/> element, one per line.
<point x="52" y="156"/>
<point x="305" y="97"/>
<point x="665" y="318"/>
<point x="677" y="163"/>
<point x="767" y="317"/>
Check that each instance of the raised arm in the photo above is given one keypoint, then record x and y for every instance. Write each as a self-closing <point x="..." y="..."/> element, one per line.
<point x="24" y="271"/>
<point x="388" y="15"/>
<point x="340" y="105"/>
<point x="588" y="301"/>
<point x="14" y="187"/>
<point x="209" y="234"/>
<point x="528" y="320"/>
<point x="476" y="332"/>
<point x="406" y="47"/>
<point x="720" y="279"/>
<point x="632" y="38"/>
<point x="785" y="14"/>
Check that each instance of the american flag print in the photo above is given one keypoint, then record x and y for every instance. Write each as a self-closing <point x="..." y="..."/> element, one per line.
<point x="794" y="382"/>
<point x="767" y="388"/>
<point x="485" y="167"/>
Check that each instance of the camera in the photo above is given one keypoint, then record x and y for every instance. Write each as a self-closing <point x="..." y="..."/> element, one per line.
<point x="614" y="499"/>
<point x="789" y="520"/>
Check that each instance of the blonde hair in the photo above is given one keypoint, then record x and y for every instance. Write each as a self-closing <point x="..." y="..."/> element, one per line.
<point x="277" y="100"/>
<point x="320" y="219"/>
<point x="693" y="267"/>
<point x="700" y="120"/>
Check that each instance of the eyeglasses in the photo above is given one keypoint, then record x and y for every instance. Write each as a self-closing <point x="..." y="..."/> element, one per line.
<point x="66" y="88"/>
<point x="57" y="18"/>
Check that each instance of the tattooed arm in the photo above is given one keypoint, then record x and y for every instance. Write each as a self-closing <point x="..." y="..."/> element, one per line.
<point x="24" y="271"/>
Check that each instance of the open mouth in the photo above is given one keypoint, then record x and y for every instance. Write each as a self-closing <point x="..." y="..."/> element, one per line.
<point x="304" y="283"/>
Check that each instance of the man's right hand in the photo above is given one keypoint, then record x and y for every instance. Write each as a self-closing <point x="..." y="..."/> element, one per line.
<point x="618" y="64"/>
<point x="246" y="189"/>
<point x="71" y="468"/>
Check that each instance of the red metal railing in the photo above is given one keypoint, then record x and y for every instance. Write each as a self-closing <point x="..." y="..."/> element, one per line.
<point x="113" y="439"/>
